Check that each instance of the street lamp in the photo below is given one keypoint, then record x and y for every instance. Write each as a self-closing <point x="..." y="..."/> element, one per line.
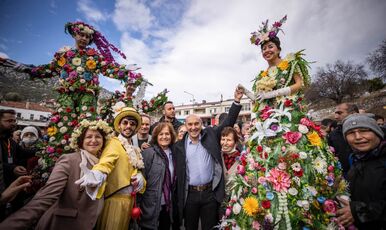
<point x="193" y="100"/>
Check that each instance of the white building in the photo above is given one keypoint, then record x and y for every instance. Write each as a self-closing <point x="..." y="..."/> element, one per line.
<point x="29" y="113"/>
<point x="208" y="110"/>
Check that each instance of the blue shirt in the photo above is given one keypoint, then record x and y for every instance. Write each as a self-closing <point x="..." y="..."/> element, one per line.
<point x="199" y="163"/>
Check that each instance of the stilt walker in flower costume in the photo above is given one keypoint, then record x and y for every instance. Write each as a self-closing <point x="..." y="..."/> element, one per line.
<point x="77" y="69"/>
<point x="288" y="178"/>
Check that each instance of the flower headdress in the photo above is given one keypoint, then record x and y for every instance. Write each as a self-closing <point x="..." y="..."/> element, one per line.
<point x="100" y="41"/>
<point x="264" y="33"/>
<point x="93" y="125"/>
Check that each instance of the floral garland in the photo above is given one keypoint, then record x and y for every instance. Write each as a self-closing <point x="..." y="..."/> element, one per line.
<point x="93" y="125"/>
<point x="289" y="177"/>
<point x="154" y="103"/>
<point x="135" y="157"/>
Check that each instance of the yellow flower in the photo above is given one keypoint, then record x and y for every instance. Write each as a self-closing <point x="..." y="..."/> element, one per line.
<point x="91" y="64"/>
<point x="283" y="65"/>
<point x="251" y="206"/>
<point x="264" y="73"/>
<point x="52" y="130"/>
<point x="314" y="139"/>
<point x="62" y="61"/>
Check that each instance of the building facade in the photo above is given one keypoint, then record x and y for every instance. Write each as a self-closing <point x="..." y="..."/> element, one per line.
<point x="208" y="110"/>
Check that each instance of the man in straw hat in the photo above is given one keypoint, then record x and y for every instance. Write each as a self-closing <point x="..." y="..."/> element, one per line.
<point x="116" y="177"/>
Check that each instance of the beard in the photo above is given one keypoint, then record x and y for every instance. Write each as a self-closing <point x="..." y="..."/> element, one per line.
<point x="29" y="140"/>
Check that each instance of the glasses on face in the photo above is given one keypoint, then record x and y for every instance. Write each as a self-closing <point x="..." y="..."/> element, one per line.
<point x="128" y="122"/>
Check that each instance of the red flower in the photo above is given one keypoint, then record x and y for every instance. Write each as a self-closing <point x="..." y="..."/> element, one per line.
<point x="288" y="103"/>
<point x="68" y="110"/>
<point x="266" y="204"/>
<point x="92" y="109"/>
<point x="91" y="52"/>
<point x="259" y="148"/>
<point x="264" y="155"/>
<point x="295" y="156"/>
<point x="66" y="136"/>
<point x="307" y="122"/>
<point x="292" y="137"/>
<point x="59" y="150"/>
<point x="298" y="173"/>
<point x="300" y="99"/>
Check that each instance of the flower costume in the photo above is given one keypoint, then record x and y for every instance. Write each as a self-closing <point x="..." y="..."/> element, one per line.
<point x="78" y="87"/>
<point x="289" y="177"/>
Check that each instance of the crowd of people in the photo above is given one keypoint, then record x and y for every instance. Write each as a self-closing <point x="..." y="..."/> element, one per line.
<point x="281" y="170"/>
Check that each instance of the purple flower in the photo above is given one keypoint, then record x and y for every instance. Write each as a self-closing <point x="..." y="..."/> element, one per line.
<point x="276" y="24"/>
<point x="257" y="41"/>
<point x="73" y="74"/>
<point x="272" y="34"/>
<point x="274" y="127"/>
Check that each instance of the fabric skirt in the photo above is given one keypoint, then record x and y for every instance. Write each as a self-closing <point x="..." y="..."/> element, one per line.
<point x="116" y="213"/>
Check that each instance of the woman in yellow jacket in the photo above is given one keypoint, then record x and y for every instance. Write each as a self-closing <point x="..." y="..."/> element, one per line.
<point x="116" y="177"/>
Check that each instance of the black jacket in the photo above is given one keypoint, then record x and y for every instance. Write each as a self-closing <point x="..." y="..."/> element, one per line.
<point x="367" y="180"/>
<point x="210" y="139"/>
<point x="342" y="149"/>
<point x="176" y="124"/>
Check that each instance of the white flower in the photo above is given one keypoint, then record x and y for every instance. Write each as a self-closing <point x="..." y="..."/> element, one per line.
<point x="293" y="191"/>
<point x="76" y="61"/>
<point x="269" y="217"/>
<point x="67" y="147"/>
<point x="84" y="108"/>
<point x="60" y="110"/>
<point x="296" y="167"/>
<point x="73" y="115"/>
<point x="312" y="190"/>
<point x="303" y="129"/>
<point x="303" y="155"/>
<point x="51" y="139"/>
<point x="42" y="163"/>
<point x="64" y="49"/>
<point x="304" y="204"/>
<point x="268" y="150"/>
<point x="236" y="208"/>
<point x="103" y="63"/>
<point x="293" y="149"/>
<point x="320" y="165"/>
<point x="60" y="124"/>
<point x="82" y="81"/>
<point x="282" y="165"/>
<point x="290" y="57"/>
<point x="296" y="180"/>
<point x="71" y="88"/>
<point x="65" y="118"/>
<point x="63" y="142"/>
<point x="63" y="129"/>
<point x="79" y="69"/>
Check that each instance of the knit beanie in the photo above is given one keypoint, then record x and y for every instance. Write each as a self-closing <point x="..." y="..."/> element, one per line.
<point x="29" y="129"/>
<point x="358" y="120"/>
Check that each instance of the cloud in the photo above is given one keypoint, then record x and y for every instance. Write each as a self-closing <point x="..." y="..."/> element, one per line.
<point x="132" y="15"/>
<point x="207" y="53"/>
<point x="3" y="55"/>
<point x="90" y="11"/>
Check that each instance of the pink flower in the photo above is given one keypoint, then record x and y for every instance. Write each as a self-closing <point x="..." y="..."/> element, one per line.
<point x="307" y="122"/>
<point x="292" y="137"/>
<point x="279" y="179"/>
<point x="228" y="212"/>
<point x="254" y="190"/>
<point x="240" y="169"/>
<point x="329" y="207"/>
<point x="332" y="149"/>
<point x="255" y="225"/>
<point x="50" y="149"/>
<point x="55" y="119"/>
<point x="70" y="54"/>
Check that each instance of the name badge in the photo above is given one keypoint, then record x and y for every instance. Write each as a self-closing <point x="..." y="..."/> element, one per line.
<point x="10" y="160"/>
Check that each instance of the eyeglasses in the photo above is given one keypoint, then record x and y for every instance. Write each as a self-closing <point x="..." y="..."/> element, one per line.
<point x="128" y="122"/>
<point x="10" y="120"/>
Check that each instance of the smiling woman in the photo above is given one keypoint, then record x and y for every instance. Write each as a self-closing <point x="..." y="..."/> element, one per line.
<point x="61" y="203"/>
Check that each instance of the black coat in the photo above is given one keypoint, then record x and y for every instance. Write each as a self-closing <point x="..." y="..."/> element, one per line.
<point x="342" y="148"/>
<point x="210" y="139"/>
<point x="367" y="180"/>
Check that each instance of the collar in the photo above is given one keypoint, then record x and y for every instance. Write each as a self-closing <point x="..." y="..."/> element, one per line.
<point x="190" y="140"/>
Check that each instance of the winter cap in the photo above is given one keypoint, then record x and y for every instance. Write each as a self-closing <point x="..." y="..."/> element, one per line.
<point x="29" y="129"/>
<point x="358" y="120"/>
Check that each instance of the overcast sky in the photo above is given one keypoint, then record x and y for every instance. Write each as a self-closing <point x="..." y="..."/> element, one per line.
<point x="200" y="46"/>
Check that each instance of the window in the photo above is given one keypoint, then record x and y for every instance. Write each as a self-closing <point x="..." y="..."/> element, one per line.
<point x="246" y="107"/>
<point x="187" y="112"/>
<point x="31" y="117"/>
<point x="18" y="115"/>
<point x="227" y="109"/>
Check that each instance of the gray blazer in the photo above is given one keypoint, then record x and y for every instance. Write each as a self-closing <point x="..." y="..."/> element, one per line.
<point x="60" y="204"/>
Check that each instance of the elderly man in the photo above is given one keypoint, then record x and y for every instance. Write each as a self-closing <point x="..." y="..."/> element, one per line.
<point x="116" y="176"/>
<point x="199" y="168"/>
<point x="143" y="137"/>
<point x="169" y="115"/>
<point x="367" y="176"/>
<point x="336" y="139"/>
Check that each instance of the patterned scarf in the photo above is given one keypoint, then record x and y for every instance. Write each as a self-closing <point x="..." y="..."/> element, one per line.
<point x="167" y="183"/>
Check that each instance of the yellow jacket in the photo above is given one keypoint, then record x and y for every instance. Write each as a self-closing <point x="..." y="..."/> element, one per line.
<point x="114" y="162"/>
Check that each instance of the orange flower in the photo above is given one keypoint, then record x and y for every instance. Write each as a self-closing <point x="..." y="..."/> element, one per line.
<point x="62" y="61"/>
<point x="90" y="64"/>
<point x="264" y="73"/>
<point x="283" y="65"/>
<point x="314" y="139"/>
